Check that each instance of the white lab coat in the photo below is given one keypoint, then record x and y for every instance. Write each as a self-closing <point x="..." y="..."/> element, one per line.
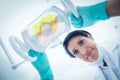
<point x="112" y="72"/>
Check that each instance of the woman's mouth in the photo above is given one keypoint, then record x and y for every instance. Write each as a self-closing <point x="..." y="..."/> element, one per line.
<point x="89" y="55"/>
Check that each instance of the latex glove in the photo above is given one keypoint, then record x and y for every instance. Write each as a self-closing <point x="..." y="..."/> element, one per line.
<point x="89" y="15"/>
<point x="41" y="64"/>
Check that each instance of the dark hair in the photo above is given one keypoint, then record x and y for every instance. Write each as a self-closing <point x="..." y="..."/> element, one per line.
<point x="70" y="36"/>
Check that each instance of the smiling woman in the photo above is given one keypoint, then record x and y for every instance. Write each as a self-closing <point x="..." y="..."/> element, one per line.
<point x="15" y="15"/>
<point x="83" y="45"/>
<point x="87" y="54"/>
<point x="80" y="44"/>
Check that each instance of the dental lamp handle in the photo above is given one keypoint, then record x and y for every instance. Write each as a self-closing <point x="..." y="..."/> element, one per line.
<point x="6" y="51"/>
<point x="20" y="48"/>
<point x="14" y="65"/>
<point x="69" y="7"/>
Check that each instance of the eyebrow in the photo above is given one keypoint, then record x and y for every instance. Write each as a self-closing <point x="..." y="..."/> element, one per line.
<point x="76" y="49"/>
<point x="73" y="51"/>
<point x="78" y="41"/>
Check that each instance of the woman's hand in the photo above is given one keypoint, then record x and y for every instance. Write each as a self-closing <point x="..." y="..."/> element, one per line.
<point x="41" y="64"/>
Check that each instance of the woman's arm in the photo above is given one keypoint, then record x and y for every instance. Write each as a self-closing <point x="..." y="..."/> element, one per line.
<point x="42" y="65"/>
<point x="113" y="8"/>
<point x="89" y="15"/>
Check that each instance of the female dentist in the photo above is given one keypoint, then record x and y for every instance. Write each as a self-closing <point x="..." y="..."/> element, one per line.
<point x="80" y="44"/>
<point x="88" y="16"/>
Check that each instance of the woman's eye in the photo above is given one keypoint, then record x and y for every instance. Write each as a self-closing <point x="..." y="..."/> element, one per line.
<point x="80" y="42"/>
<point x="76" y="52"/>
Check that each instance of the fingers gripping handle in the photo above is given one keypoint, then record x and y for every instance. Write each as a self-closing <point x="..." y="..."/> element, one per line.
<point x="21" y="48"/>
<point x="69" y="7"/>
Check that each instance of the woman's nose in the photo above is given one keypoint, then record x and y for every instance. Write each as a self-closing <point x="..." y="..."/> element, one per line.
<point x="82" y="50"/>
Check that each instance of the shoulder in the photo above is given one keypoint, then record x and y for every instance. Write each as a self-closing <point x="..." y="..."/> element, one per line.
<point x="111" y="44"/>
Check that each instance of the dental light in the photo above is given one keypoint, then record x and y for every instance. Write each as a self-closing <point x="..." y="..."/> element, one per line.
<point x="52" y="23"/>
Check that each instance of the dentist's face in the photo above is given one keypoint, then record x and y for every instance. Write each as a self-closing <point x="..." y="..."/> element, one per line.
<point x="83" y="48"/>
